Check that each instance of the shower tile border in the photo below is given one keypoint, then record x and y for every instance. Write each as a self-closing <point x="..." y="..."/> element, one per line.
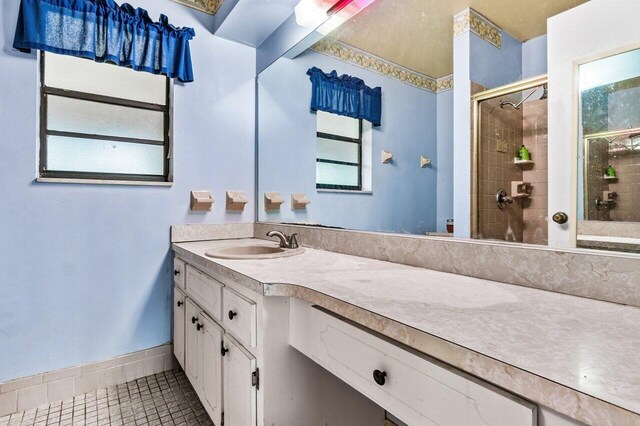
<point x="610" y="277"/>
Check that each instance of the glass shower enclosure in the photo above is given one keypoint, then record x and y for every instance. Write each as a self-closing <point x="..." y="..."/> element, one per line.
<point x="509" y="186"/>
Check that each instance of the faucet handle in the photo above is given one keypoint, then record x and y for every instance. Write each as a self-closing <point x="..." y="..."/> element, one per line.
<point x="293" y="241"/>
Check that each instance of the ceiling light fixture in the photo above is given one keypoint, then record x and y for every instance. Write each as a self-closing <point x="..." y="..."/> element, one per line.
<point x="311" y="13"/>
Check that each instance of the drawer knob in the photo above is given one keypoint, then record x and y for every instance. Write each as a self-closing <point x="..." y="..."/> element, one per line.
<point x="379" y="377"/>
<point x="176" y="272"/>
<point x="232" y="314"/>
<point x="223" y="350"/>
<point x="193" y="320"/>
<point x="180" y="303"/>
<point x="199" y="326"/>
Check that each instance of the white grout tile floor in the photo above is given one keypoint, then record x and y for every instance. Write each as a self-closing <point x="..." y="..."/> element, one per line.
<point x="162" y="399"/>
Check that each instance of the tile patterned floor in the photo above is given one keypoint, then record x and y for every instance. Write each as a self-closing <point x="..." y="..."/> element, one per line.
<point x="162" y="399"/>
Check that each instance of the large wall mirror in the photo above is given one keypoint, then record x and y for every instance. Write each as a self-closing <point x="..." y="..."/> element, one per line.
<point x="609" y="153"/>
<point x="356" y="124"/>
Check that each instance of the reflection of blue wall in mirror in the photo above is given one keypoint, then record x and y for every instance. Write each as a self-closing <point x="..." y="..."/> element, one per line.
<point x="534" y="57"/>
<point x="404" y="195"/>
<point x="444" y="164"/>
<point x="492" y="66"/>
<point x="477" y="60"/>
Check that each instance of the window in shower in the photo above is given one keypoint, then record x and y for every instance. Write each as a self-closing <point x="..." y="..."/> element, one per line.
<point x="509" y="195"/>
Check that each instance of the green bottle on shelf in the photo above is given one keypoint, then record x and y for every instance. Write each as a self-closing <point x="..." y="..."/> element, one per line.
<point x="611" y="172"/>
<point x="524" y="154"/>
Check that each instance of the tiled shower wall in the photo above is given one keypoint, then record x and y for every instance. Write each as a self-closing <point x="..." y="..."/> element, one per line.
<point x="598" y="162"/>
<point x="534" y="137"/>
<point x="627" y="186"/>
<point x="500" y="139"/>
<point x="502" y="132"/>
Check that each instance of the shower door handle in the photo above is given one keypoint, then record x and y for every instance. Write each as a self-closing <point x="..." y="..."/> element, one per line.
<point x="560" y="218"/>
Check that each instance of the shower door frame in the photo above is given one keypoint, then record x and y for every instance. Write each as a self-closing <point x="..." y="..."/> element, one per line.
<point x="585" y="168"/>
<point x="508" y="89"/>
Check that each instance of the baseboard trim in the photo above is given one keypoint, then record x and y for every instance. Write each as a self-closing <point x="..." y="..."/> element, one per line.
<point x="42" y="389"/>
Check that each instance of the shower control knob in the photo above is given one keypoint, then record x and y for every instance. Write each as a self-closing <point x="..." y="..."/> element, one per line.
<point x="560" y="217"/>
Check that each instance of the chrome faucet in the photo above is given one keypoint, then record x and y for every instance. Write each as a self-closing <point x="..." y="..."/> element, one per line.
<point x="285" y="241"/>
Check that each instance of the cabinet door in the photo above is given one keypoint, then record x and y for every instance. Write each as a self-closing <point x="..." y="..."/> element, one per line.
<point x="191" y="347"/>
<point x="240" y="389"/>
<point x="178" y="325"/>
<point x="211" y="367"/>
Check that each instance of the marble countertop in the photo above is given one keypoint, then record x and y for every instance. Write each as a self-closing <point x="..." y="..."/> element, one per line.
<point x="578" y="356"/>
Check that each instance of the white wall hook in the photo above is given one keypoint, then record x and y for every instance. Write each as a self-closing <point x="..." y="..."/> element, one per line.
<point x="386" y="157"/>
<point x="236" y="201"/>
<point x="299" y="201"/>
<point x="424" y="161"/>
<point x="272" y="201"/>
<point x="201" y="200"/>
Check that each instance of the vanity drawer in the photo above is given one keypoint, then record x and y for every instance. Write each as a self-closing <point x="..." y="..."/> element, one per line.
<point x="417" y="389"/>
<point x="206" y="291"/>
<point x="179" y="273"/>
<point x="239" y="317"/>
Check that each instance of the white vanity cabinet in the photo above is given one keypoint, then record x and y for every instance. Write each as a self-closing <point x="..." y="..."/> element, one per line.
<point x="417" y="389"/>
<point x="241" y="381"/>
<point x="179" y="308"/>
<point x="223" y="373"/>
<point x="256" y="361"/>
<point x="191" y="342"/>
<point x="210" y="366"/>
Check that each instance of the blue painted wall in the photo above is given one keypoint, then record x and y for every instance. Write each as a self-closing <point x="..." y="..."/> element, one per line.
<point x="462" y="135"/>
<point x="534" y="57"/>
<point x="444" y="163"/>
<point x="492" y="66"/>
<point x="404" y="195"/>
<point x="85" y="270"/>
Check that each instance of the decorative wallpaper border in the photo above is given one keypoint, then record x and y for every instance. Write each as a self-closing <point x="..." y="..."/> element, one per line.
<point x="346" y="53"/>
<point x="444" y="83"/>
<point x="470" y="20"/>
<point x="207" y="6"/>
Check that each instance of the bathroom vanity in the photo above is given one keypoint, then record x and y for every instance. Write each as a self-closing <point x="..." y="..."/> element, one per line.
<point x="262" y="335"/>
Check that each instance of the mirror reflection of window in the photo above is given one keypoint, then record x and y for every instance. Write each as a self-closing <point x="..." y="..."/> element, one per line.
<point x="340" y="150"/>
<point x="610" y="150"/>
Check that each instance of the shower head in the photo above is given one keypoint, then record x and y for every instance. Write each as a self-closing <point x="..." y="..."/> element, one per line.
<point x="504" y="104"/>
<point x="545" y="93"/>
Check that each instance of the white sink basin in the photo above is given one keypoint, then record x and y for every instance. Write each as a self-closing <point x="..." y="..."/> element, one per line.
<point x="252" y="252"/>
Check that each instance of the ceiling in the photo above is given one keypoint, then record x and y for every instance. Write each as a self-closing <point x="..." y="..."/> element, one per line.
<point x="418" y="34"/>
<point x="252" y="21"/>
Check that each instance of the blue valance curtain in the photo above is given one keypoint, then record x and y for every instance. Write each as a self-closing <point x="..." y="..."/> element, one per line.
<point x="345" y="95"/>
<point x="103" y="31"/>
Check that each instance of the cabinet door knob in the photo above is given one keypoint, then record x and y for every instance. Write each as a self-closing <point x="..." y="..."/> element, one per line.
<point x="232" y="314"/>
<point x="180" y="303"/>
<point x="560" y="217"/>
<point x="193" y="320"/>
<point x="176" y="272"/>
<point x="199" y="326"/>
<point x="223" y="350"/>
<point x="379" y="377"/>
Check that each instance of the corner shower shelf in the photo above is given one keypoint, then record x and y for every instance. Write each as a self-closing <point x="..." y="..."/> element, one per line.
<point x="610" y="177"/>
<point x="522" y="162"/>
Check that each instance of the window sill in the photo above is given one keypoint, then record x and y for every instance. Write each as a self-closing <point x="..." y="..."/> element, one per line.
<point x="103" y="182"/>
<point x="346" y="191"/>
